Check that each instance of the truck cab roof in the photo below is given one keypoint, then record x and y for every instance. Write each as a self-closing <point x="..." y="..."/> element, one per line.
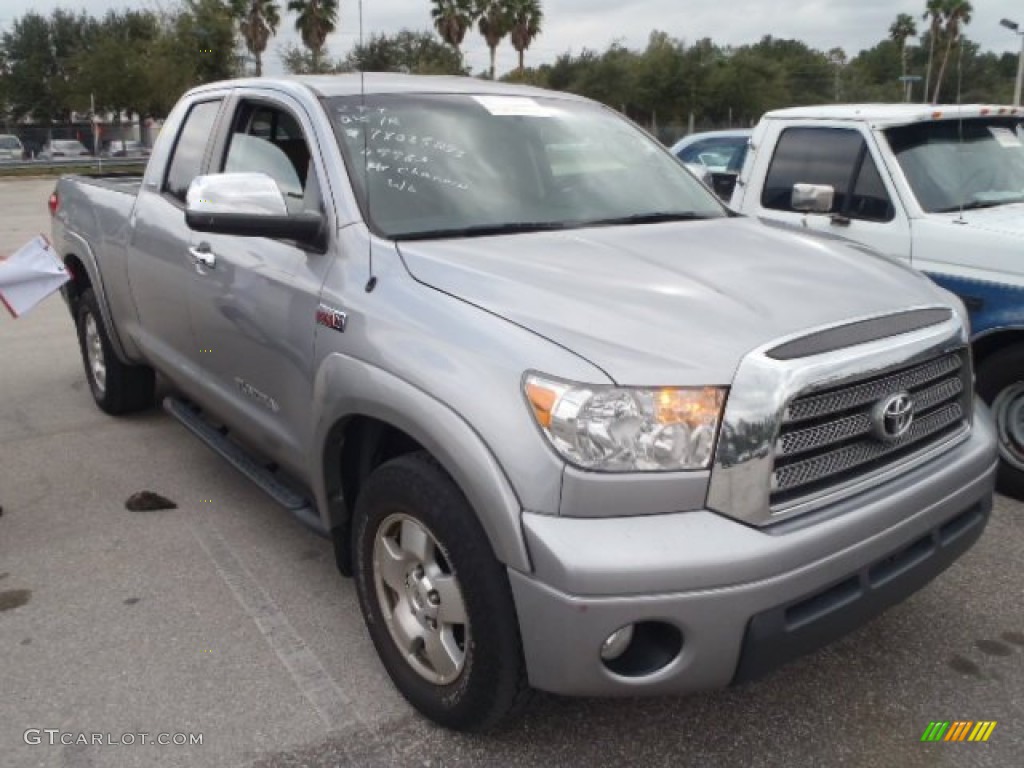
<point x="384" y="82"/>
<point x="884" y="115"/>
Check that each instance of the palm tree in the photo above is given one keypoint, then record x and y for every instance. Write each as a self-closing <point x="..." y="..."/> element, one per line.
<point x="494" y="24"/>
<point x="935" y="14"/>
<point x="316" y="20"/>
<point x="958" y="16"/>
<point x="901" y="29"/>
<point x="525" y="17"/>
<point x="258" y="21"/>
<point x="452" y="18"/>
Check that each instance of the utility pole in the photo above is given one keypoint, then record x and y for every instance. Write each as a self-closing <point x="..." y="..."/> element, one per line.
<point x="1014" y="27"/>
<point x="95" y="132"/>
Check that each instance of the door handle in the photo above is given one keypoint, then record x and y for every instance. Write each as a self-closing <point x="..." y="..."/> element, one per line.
<point x="203" y="255"/>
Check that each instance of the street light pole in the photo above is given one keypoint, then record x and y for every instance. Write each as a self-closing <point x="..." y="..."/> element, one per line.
<point x="1020" y="72"/>
<point x="1015" y="28"/>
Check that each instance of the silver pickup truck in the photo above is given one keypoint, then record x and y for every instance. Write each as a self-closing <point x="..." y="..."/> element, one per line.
<point x="569" y="423"/>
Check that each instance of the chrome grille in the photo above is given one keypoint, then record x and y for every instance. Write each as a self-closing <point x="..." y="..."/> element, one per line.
<point x="828" y="438"/>
<point x="831" y="402"/>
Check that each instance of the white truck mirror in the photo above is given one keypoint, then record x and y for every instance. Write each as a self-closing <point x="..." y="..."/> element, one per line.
<point x="813" y="198"/>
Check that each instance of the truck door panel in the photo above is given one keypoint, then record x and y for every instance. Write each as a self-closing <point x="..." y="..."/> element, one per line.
<point x="159" y="266"/>
<point x="255" y="310"/>
<point x="866" y="209"/>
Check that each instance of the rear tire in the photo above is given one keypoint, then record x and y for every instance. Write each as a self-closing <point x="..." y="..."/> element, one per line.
<point x="437" y="603"/>
<point x="1001" y="385"/>
<point x="117" y="388"/>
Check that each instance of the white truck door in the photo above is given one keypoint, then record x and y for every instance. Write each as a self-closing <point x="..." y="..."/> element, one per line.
<point x="866" y="208"/>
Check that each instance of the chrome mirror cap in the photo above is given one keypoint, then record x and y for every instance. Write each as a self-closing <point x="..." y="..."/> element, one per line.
<point x="813" y="198"/>
<point x="246" y="194"/>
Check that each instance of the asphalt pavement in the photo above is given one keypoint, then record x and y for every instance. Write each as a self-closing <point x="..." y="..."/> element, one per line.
<point x="225" y="621"/>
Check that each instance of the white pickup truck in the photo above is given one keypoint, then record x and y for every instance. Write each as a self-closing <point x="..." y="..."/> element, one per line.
<point x="939" y="187"/>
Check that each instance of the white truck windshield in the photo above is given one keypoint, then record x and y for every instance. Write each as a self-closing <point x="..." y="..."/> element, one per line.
<point x="462" y="165"/>
<point x="954" y="164"/>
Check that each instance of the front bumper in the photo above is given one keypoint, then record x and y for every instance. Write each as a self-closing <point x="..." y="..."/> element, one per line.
<point x="744" y="599"/>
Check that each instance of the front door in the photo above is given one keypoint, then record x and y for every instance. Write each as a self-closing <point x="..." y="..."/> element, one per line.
<point x="866" y="210"/>
<point x="255" y="300"/>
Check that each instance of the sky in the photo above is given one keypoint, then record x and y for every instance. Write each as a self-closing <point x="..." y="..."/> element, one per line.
<point x="574" y="24"/>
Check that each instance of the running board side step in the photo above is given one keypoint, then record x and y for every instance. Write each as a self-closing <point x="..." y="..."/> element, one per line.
<point x="237" y="457"/>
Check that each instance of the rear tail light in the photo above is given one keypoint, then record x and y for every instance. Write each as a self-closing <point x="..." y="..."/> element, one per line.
<point x="53" y="203"/>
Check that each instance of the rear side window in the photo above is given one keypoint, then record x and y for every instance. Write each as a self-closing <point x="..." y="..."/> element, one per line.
<point x="812" y="156"/>
<point x="187" y="160"/>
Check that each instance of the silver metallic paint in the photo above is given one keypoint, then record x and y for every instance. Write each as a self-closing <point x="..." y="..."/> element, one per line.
<point x="438" y="350"/>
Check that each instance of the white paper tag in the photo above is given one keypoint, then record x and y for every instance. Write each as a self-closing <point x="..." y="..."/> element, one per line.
<point x="513" y="106"/>
<point x="1005" y="137"/>
<point x="29" y="275"/>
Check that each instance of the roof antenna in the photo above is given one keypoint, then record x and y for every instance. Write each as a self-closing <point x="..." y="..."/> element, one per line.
<point x="372" y="282"/>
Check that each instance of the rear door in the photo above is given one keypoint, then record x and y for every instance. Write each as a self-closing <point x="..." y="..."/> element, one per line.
<point x="255" y="309"/>
<point x="866" y="208"/>
<point x="160" y="267"/>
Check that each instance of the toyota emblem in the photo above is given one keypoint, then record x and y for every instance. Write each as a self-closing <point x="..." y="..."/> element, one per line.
<point x="893" y="416"/>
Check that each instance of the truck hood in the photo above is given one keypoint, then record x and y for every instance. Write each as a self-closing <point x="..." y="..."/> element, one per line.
<point x="668" y="304"/>
<point x="984" y="245"/>
<point x="1001" y="219"/>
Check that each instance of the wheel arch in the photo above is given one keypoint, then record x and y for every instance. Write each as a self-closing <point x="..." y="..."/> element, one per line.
<point x="367" y="416"/>
<point x="85" y="274"/>
<point x="987" y="343"/>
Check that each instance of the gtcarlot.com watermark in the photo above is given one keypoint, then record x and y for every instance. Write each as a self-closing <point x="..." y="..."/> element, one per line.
<point x="55" y="736"/>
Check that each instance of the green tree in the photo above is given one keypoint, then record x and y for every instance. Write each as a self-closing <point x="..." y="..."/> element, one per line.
<point x="452" y="19"/>
<point x="316" y="20"/>
<point x="872" y="74"/>
<point x="203" y="31"/>
<point x="41" y="55"/>
<point x="899" y="31"/>
<point x="114" y="66"/>
<point x="525" y="20"/>
<point x="493" y="23"/>
<point x="257" y="21"/>
<point x="935" y="15"/>
<point x="957" y="16"/>
<point x="406" y="51"/>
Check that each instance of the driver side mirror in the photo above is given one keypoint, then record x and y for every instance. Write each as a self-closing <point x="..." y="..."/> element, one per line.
<point x="249" y="205"/>
<point x="812" y="198"/>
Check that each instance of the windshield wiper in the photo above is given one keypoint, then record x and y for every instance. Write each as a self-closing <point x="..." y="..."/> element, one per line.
<point x="483" y="230"/>
<point x="647" y="218"/>
<point x="975" y="205"/>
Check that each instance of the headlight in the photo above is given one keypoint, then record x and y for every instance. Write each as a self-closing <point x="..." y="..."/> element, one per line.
<point x="626" y="429"/>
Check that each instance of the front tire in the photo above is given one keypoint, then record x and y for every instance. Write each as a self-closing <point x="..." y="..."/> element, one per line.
<point x="117" y="388"/>
<point x="1001" y="385"/>
<point x="436" y="601"/>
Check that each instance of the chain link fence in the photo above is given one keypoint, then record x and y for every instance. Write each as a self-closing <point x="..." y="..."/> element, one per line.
<point x="76" y="142"/>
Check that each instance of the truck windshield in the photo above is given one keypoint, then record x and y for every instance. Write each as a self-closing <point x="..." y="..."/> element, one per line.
<point x="458" y="165"/>
<point x="952" y="164"/>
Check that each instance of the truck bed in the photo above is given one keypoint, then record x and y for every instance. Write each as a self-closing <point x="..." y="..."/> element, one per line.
<point x="128" y="183"/>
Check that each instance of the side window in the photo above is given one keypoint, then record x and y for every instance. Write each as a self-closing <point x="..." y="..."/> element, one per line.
<point x="268" y="140"/>
<point x="187" y="159"/>
<point x="812" y="156"/>
<point x="870" y="200"/>
<point x="691" y="154"/>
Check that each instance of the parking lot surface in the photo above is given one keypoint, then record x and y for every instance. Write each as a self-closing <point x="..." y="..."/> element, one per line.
<point x="224" y="618"/>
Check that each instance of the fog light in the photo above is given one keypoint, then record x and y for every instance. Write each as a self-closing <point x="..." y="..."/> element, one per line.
<point x="617" y="643"/>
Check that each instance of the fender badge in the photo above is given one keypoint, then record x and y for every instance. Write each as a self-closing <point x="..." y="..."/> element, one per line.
<point x="331" y="318"/>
